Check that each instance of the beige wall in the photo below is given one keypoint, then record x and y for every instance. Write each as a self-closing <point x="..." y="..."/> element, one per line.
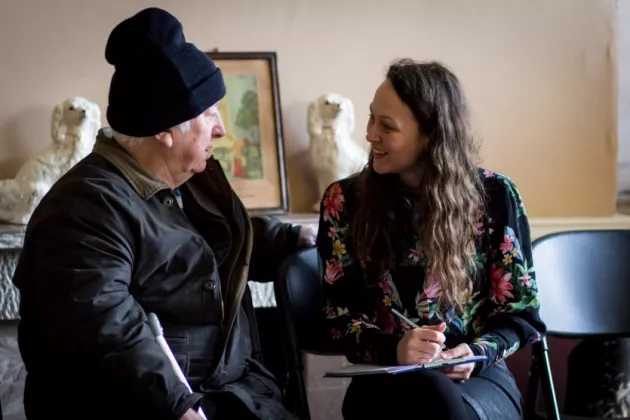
<point x="623" y="111"/>
<point x="540" y="75"/>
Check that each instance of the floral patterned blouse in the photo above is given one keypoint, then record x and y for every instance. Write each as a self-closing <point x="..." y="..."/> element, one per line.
<point x="501" y="314"/>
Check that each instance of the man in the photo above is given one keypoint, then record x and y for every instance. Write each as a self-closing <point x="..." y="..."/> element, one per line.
<point x="148" y="223"/>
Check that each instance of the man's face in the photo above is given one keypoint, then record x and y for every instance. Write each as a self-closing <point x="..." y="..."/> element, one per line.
<point x="191" y="150"/>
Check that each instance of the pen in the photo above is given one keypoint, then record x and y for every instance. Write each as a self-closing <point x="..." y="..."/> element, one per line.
<point x="414" y="325"/>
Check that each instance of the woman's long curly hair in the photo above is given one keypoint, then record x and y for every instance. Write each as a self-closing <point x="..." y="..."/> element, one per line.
<point x="445" y="209"/>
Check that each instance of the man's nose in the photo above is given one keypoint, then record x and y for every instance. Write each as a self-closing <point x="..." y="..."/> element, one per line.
<point x="218" y="130"/>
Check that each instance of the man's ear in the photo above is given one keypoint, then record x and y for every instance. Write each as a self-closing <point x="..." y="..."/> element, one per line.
<point x="165" y="139"/>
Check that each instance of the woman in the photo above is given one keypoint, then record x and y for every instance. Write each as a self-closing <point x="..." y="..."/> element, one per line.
<point x="421" y="229"/>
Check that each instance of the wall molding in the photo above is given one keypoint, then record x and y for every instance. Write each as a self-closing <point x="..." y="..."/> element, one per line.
<point x="538" y="226"/>
<point x="545" y="226"/>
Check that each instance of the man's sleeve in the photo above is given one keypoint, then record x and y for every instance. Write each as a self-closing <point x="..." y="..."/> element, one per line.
<point x="75" y="273"/>
<point x="274" y="241"/>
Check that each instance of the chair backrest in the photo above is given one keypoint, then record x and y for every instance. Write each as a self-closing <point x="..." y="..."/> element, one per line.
<point x="299" y="295"/>
<point x="583" y="280"/>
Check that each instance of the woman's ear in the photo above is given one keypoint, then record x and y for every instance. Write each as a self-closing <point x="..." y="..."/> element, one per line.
<point x="165" y="139"/>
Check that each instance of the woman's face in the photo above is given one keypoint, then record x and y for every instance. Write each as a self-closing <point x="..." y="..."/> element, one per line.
<point x="395" y="136"/>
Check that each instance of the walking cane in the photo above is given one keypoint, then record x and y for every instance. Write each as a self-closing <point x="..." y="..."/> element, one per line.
<point x="154" y="323"/>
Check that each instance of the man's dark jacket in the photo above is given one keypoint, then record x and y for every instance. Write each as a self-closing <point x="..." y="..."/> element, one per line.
<point x="110" y="244"/>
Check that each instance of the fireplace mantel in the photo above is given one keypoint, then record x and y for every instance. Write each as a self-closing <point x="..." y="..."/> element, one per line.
<point x="12" y="238"/>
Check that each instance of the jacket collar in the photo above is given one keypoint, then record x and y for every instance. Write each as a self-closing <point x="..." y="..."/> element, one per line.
<point x="145" y="184"/>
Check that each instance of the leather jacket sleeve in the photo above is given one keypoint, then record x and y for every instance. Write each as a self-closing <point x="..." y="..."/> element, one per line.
<point x="274" y="241"/>
<point x="74" y="277"/>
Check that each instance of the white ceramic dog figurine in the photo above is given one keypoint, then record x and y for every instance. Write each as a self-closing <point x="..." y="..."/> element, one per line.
<point x="75" y="124"/>
<point x="334" y="153"/>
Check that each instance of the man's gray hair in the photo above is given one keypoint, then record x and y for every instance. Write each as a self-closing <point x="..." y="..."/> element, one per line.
<point x="131" y="140"/>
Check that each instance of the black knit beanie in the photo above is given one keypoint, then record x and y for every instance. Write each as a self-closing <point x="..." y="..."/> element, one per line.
<point x="160" y="80"/>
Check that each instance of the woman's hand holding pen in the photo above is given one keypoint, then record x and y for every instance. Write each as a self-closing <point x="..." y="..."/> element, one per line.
<point x="421" y="345"/>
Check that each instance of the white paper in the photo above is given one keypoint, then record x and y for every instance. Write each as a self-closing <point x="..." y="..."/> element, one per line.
<point x="370" y="369"/>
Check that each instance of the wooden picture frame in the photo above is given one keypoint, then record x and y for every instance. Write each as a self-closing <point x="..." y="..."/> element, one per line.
<point x="252" y="151"/>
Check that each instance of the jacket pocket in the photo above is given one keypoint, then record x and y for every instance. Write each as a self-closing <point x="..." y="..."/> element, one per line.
<point x="183" y="360"/>
<point x="262" y="381"/>
<point x="177" y="338"/>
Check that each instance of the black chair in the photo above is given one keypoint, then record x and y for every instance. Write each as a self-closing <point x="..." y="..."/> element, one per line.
<point x="583" y="281"/>
<point x="299" y="298"/>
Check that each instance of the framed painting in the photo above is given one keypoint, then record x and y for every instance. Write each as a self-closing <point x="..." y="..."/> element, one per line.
<point x="252" y="150"/>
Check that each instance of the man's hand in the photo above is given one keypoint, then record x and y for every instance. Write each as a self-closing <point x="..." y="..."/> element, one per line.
<point x="191" y="415"/>
<point x="460" y="372"/>
<point x="308" y="235"/>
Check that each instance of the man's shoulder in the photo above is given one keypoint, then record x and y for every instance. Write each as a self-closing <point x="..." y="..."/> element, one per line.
<point x="90" y="184"/>
<point x="93" y="174"/>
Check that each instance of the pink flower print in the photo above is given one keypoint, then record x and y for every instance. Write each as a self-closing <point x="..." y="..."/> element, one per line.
<point x="479" y="230"/>
<point x="414" y="255"/>
<point x="479" y="226"/>
<point x="526" y="280"/>
<point x="488" y="174"/>
<point x="336" y="334"/>
<point x="370" y="325"/>
<point x="500" y="286"/>
<point x="433" y="290"/>
<point x="423" y="306"/>
<point x="507" y="244"/>
<point x="386" y="286"/>
<point x="334" y="271"/>
<point x="425" y="299"/>
<point x="333" y="202"/>
<point x="332" y="233"/>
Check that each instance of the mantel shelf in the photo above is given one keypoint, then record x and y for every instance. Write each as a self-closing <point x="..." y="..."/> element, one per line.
<point x="12" y="238"/>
